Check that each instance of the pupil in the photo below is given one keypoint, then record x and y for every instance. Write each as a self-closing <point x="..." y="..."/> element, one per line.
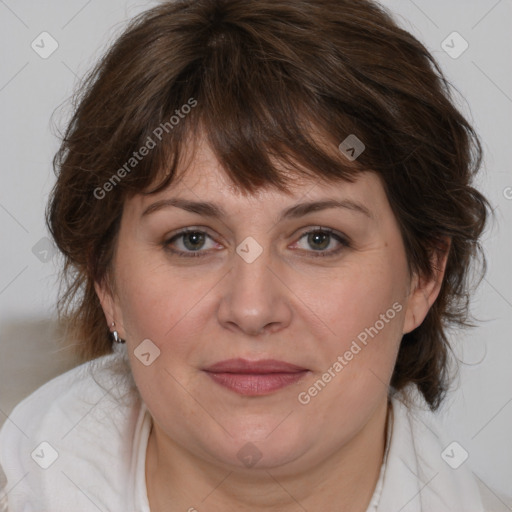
<point x="314" y="237"/>
<point x="198" y="239"/>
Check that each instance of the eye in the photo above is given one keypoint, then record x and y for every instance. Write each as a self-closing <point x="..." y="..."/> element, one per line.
<point x="191" y="240"/>
<point x="322" y="238"/>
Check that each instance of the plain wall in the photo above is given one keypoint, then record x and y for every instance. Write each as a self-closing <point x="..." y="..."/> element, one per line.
<point x="478" y="413"/>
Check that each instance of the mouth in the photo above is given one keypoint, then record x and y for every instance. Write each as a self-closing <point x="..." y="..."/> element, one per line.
<point x="255" y="378"/>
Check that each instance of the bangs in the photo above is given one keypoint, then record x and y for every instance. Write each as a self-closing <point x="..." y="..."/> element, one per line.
<point x="278" y="90"/>
<point x="255" y="149"/>
<point x="265" y="124"/>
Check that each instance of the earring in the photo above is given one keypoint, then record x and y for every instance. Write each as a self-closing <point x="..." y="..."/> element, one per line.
<point x="115" y="335"/>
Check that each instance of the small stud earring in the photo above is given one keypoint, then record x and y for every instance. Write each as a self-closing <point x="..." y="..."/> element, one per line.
<point x="115" y="335"/>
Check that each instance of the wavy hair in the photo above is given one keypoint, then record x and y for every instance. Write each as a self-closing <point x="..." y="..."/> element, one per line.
<point x="265" y="75"/>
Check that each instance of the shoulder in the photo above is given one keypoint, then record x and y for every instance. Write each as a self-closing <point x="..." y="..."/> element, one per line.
<point x="65" y="397"/>
<point x="492" y="500"/>
<point x="72" y="426"/>
<point x="438" y="460"/>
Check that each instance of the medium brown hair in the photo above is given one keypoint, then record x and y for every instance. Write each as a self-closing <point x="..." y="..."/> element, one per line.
<point x="260" y="78"/>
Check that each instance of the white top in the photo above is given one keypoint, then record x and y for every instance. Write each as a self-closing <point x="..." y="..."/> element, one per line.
<point x="79" y="442"/>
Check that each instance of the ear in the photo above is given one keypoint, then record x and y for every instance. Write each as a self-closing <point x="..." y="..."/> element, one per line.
<point x="423" y="292"/>
<point x="110" y="306"/>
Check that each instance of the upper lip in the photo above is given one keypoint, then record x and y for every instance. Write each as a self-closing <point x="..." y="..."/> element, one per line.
<point x="240" y="365"/>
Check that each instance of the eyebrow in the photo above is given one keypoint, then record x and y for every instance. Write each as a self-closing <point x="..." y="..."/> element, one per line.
<point x="216" y="211"/>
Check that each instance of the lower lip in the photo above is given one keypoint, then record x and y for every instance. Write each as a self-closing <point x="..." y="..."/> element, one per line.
<point x="253" y="384"/>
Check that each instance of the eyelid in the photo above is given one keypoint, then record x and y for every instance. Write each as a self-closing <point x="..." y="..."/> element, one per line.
<point x="323" y="229"/>
<point x="183" y="231"/>
<point x="342" y="239"/>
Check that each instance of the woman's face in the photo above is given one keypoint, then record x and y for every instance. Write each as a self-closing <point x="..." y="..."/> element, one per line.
<point x="325" y="289"/>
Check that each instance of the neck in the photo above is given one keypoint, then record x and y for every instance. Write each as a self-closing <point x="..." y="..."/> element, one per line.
<point x="179" y="481"/>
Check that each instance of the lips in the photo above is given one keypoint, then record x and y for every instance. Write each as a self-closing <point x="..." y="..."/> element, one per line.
<point x="255" y="378"/>
<point x="262" y="366"/>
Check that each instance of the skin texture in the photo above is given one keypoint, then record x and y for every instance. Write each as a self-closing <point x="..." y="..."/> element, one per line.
<point x="288" y="304"/>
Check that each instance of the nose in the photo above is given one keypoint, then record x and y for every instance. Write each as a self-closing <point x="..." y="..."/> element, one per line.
<point x="255" y="299"/>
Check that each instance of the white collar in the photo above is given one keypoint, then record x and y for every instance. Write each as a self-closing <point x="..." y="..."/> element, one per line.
<point x="416" y="477"/>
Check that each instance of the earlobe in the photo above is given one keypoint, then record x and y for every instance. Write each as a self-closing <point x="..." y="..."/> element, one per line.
<point x="424" y="291"/>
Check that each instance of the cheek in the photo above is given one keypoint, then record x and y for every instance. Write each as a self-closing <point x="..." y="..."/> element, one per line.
<point x="354" y="302"/>
<point x="160" y="306"/>
<point x="173" y="310"/>
<point x="156" y="302"/>
<point x="364" y="316"/>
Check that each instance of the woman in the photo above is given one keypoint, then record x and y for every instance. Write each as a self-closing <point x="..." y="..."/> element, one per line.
<point x="267" y="217"/>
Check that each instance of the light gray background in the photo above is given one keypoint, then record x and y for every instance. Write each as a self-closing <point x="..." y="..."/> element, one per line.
<point x="478" y="414"/>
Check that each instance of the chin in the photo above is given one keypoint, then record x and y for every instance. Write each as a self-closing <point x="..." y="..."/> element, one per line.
<point x="264" y="446"/>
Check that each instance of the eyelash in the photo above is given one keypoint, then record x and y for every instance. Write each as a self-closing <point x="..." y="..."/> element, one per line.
<point x="317" y="254"/>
